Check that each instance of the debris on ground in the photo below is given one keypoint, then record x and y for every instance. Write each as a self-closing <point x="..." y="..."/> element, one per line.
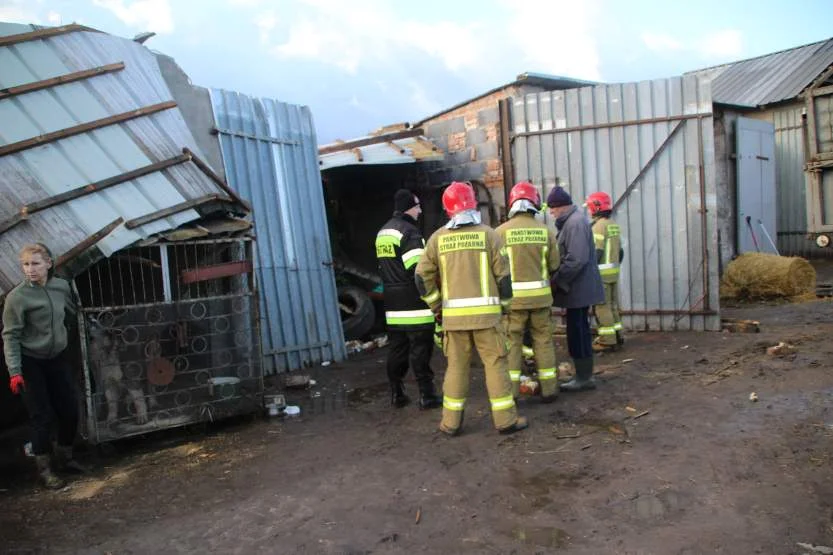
<point x="740" y="326"/>
<point x="528" y="386"/>
<point x="355" y="346"/>
<point x="753" y="397"/>
<point x="297" y="382"/>
<point x="756" y="275"/>
<point x="781" y="349"/>
<point x="816" y="548"/>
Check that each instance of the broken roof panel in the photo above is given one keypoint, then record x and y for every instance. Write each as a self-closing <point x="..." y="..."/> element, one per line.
<point x="83" y="109"/>
<point x="404" y="147"/>
<point x="771" y="78"/>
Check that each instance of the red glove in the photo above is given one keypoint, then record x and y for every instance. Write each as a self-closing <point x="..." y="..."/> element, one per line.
<point x="16" y="384"/>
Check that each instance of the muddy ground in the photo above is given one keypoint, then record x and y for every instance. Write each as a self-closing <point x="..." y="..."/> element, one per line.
<point x="668" y="456"/>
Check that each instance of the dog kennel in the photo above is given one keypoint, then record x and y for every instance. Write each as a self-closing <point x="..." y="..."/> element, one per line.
<point x="169" y="337"/>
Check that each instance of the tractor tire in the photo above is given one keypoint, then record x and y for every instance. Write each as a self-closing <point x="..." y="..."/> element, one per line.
<point x="357" y="312"/>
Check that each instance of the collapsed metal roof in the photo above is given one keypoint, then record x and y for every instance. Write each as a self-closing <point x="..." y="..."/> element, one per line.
<point x="770" y="78"/>
<point x="401" y="147"/>
<point x="93" y="150"/>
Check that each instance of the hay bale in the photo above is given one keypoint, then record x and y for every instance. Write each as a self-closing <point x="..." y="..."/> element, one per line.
<point x="768" y="276"/>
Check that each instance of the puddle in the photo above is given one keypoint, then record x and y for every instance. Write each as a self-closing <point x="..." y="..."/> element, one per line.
<point x="541" y="536"/>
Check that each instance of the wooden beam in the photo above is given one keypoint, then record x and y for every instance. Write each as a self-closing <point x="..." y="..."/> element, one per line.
<point x="350" y="145"/>
<point x="60" y="80"/>
<point x="170" y="211"/>
<point x="506" y="151"/>
<point x="216" y="271"/>
<point x="822" y="91"/>
<point x="84" y="127"/>
<point x="664" y="119"/>
<point x="206" y="169"/>
<point x="357" y="152"/>
<point x="395" y="146"/>
<point x="44" y="34"/>
<point x="88" y="242"/>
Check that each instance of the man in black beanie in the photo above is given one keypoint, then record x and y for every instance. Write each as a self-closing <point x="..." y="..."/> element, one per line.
<point x="576" y="284"/>
<point x="410" y="323"/>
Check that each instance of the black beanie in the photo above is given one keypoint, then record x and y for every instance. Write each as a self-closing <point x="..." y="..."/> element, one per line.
<point x="404" y="200"/>
<point x="559" y="197"/>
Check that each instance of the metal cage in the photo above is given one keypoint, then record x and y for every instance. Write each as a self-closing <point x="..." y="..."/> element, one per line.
<point x="169" y="337"/>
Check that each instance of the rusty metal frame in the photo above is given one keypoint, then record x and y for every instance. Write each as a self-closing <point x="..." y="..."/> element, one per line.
<point x="216" y="271"/>
<point x="221" y="131"/>
<point x="507" y="161"/>
<point x="664" y="119"/>
<point x="84" y="127"/>
<point x="60" y="80"/>
<point x="44" y="34"/>
<point x="357" y="152"/>
<point x="206" y="169"/>
<point x="350" y="145"/>
<point x="79" y="192"/>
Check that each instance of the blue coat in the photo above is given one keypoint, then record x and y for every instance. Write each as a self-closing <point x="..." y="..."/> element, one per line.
<point x="577" y="282"/>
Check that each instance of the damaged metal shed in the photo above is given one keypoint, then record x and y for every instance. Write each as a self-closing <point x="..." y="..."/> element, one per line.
<point x="97" y="162"/>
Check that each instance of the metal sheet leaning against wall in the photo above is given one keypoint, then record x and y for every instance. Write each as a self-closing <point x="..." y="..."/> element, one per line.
<point x="651" y="146"/>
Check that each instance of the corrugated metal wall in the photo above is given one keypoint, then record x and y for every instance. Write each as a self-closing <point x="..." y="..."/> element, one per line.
<point x="270" y="154"/>
<point x="789" y="176"/>
<point x="670" y="273"/>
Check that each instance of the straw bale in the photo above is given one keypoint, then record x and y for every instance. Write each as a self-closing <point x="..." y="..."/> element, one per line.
<point x="768" y="276"/>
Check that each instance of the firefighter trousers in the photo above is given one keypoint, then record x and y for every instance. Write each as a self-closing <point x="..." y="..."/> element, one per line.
<point x="540" y="328"/>
<point x="608" y="319"/>
<point x="491" y="346"/>
<point x="411" y="348"/>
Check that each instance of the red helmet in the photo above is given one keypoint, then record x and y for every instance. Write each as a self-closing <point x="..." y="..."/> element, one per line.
<point x="458" y="197"/>
<point x="599" y="202"/>
<point x="525" y="190"/>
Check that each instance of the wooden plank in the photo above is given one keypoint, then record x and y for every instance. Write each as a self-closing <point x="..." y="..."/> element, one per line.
<point x="506" y="150"/>
<point x="216" y="271"/>
<point x="88" y="242"/>
<point x="170" y="211"/>
<point x="60" y="80"/>
<point x="823" y="91"/>
<point x="44" y="34"/>
<point x="350" y="145"/>
<point x="84" y="127"/>
<point x="206" y="169"/>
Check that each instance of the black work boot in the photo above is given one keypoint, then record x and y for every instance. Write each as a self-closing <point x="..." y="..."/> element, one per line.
<point x="47" y="477"/>
<point x="520" y="424"/>
<point x="428" y="398"/>
<point x="583" y="380"/>
<point x="398" y="399"/>
<point x="67" y="463"/>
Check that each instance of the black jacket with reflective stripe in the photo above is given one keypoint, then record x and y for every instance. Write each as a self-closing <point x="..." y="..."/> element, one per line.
<point x="399" y="245"/>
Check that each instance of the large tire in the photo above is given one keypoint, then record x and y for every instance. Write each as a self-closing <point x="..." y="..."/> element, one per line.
<point x="357" y="312"/>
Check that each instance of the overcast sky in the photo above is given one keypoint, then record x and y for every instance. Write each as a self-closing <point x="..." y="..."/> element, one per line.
<point x="362" y="64"/>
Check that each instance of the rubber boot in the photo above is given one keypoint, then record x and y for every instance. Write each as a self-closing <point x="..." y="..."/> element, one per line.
<point x="520" y="424"/>
<point x="67" y="463"/>
<point x="45" y="473"/>
<point x="583" y="380"/>
<point x="456" y="431"/>
<point x="428" y="398"/>
<point x="398" y="399"/>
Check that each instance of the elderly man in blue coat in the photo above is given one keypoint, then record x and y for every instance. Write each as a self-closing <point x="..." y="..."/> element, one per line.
<point x="576" y="284"/>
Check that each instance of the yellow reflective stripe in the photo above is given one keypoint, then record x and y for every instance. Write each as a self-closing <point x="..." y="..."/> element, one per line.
<point x="544" y="273"/>
<point x="472" y="311"/>
<point x="540" y="292"/>
<point x="412" y="257"/>
<point x="404" y="317"/>
<point x="390" y="233"/>
<point x="484" y="274"/>
<point x="607" y="250"/>
<point x="607" y="330"/>
<point x="511" y="264"/>
<point x="503" y="403"/>
<point x="515" y="375"/>
<point x="610" y="272"/>
<point x="431" y="297"/>
<point x="527" y="351"/>
<point x="546" y="374"/>
<point x="598" y="237"/>
<point x="613" y="230"/>
<point x="470" y="301"/>
<point x="607" y="266"/>
<point x="618" y="326"/>
<point x="519" y="285"/>
<point x="451" y="403"/>
<point x="444" y="274"/>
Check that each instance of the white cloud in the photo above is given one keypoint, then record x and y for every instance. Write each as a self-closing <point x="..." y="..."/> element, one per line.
<point x="143" y="15"/>
<point x="54" y="18"/>
<point x="265" y="23"/>
<point x="722" y="44"/>
<point x="18" y="11"/>
<point x="661" y="42"/>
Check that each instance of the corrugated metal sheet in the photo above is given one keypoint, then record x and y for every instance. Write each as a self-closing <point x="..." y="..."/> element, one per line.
<point x="68" y="163"/>
<point x="768" y="79"/>
<point x="667" y="267"/>
<point x="412" y="149"/>
<point x="271" y="158"/>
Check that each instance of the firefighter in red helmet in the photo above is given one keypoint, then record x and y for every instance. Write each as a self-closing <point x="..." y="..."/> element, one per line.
<point x="532" y="251"/>
<point x="608" y="256"/>
<point x="463" y="276"/>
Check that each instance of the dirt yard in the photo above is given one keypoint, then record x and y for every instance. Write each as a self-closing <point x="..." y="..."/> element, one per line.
<point x="668" y="456"/>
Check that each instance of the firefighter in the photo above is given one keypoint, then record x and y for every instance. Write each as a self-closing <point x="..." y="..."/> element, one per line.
<point x="410" y="323"/>
<point x="532" y="251"/>
<point x="608" y="256"/>
<point x="464" y="278"/>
